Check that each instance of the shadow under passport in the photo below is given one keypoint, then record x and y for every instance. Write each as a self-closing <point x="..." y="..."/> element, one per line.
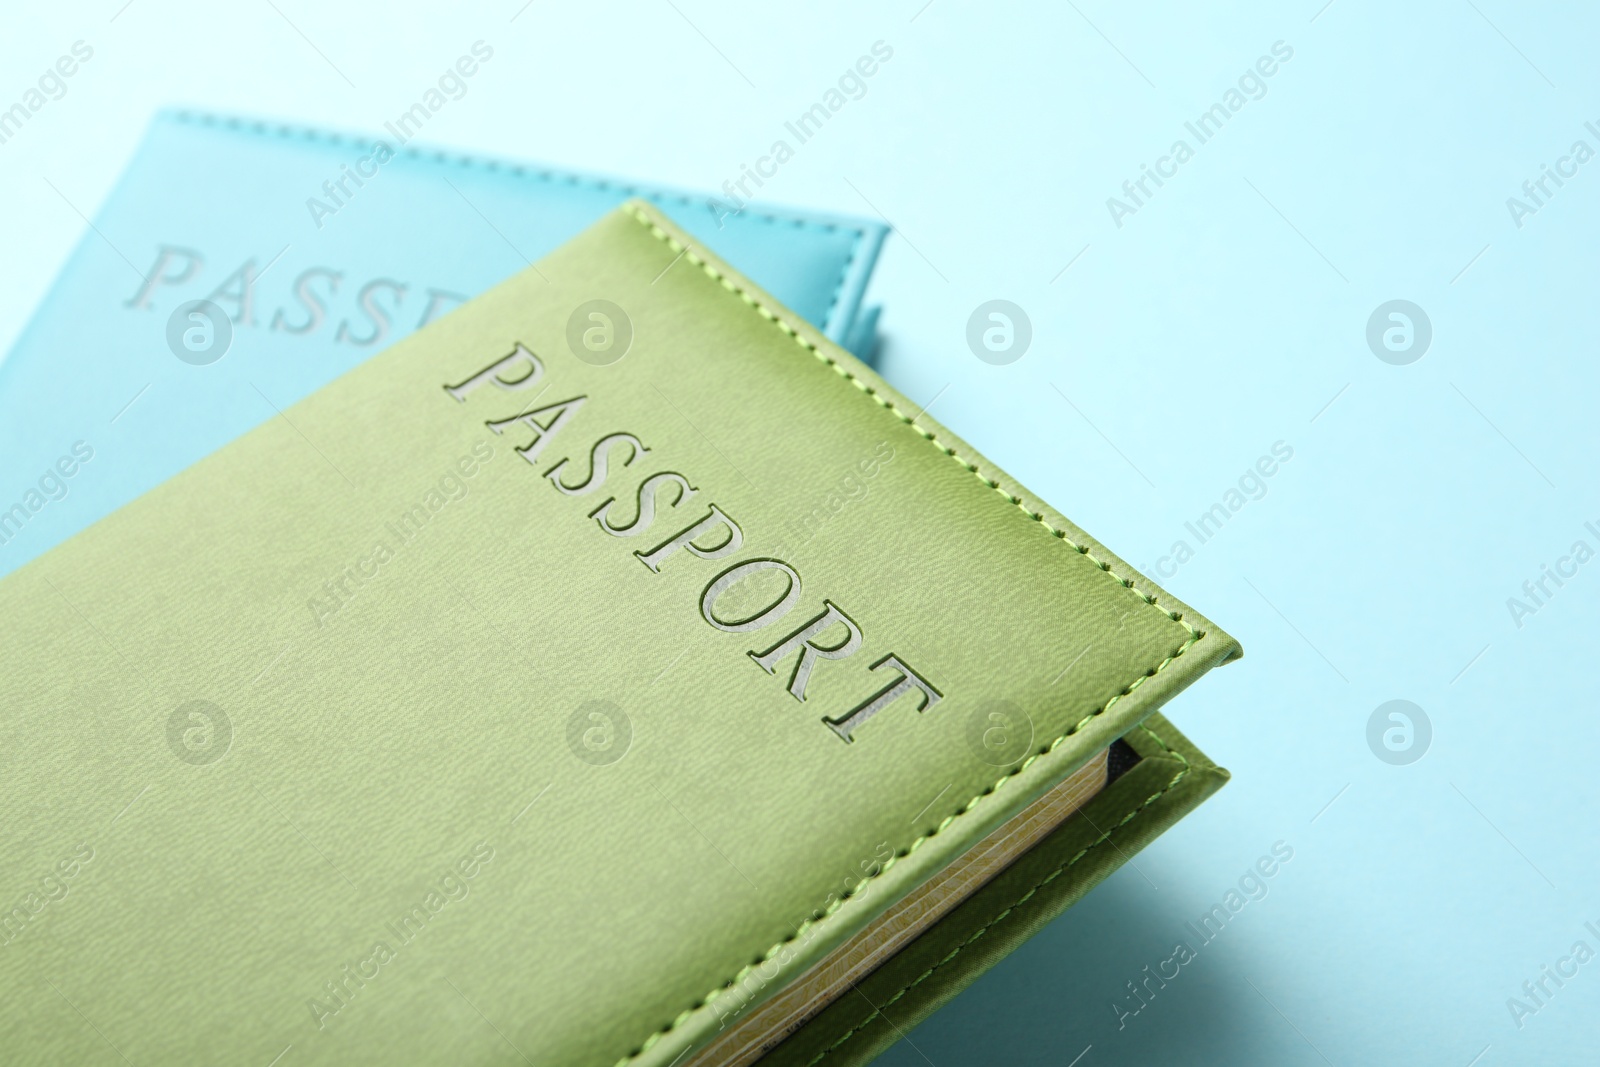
<point x="1066" y="990"/>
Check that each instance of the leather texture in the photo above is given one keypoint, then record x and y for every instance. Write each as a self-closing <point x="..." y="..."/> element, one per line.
<point x="222" y="208"/>
<point x="1171" y="779"/>
<point x="659" y="832"/>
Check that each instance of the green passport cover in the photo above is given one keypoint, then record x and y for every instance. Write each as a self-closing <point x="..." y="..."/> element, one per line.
<point x="553" y="688"/>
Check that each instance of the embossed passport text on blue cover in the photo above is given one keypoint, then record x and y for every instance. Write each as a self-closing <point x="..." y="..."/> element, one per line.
<point x="320" y="250"/>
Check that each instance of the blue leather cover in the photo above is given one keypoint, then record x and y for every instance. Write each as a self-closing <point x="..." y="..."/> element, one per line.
<point x="316" y="278"/>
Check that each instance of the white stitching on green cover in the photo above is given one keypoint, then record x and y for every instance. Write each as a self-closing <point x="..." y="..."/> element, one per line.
<point x="1194" y="635"/>
<point x="1046" y="880"/>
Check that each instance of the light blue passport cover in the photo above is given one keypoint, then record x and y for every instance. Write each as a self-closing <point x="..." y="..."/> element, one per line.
<point x="317" y="273"/>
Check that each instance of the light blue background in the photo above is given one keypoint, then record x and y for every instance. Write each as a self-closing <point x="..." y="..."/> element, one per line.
<point x="1223" y="316"/>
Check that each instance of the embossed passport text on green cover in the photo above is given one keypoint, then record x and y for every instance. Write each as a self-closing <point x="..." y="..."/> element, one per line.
<point x="558" y="687"/>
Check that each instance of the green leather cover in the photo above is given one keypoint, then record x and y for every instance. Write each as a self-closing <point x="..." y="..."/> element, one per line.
<point x="1171" y="778"/>
<point x="364" y="740"/>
